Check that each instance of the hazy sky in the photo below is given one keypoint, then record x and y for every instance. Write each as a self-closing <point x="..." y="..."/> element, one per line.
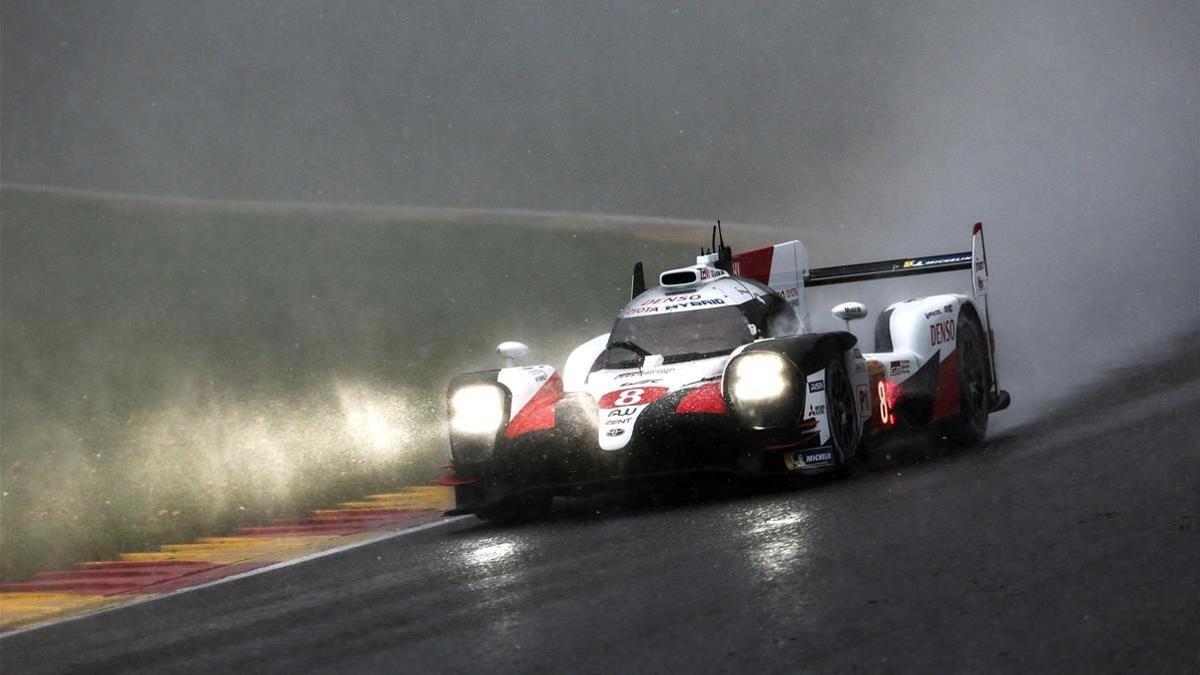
<point x="830" y="111"/>
<point x="1071" y="127"/>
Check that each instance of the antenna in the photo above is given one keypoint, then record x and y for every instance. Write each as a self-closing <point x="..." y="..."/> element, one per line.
<point x="725" y="253"/>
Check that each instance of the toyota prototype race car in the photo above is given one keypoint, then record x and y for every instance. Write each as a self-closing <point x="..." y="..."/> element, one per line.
<point x="718" y="368"/>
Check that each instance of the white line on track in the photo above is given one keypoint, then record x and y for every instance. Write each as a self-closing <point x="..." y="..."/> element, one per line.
<point x="393" y="210"/>
<point x="234" y="577"/>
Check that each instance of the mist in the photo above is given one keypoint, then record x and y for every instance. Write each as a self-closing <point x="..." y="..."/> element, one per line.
<point x="1069" y="127"/>
<point x="870" y="130"/>
<point x="172" y="369"/>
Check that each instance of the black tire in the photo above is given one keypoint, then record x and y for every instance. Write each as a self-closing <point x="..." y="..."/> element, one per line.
<point x="841" y="414"/>
<point x="974" y="381"/>
<point x="518" y="509"/>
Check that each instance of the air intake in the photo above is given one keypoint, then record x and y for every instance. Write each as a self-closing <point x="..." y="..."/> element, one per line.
<point x="678" y="278"/>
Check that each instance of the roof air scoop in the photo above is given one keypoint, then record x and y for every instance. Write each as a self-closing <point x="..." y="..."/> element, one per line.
<point x="687" y="278"/>
<point x="679" y="279"/>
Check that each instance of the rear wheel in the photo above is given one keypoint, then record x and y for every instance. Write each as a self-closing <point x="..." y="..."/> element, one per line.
<point x="974" y="382"/>
<point x="844" y="433"/>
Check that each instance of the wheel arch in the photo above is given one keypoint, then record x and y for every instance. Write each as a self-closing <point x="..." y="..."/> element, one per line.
<point x="810" y="352"/>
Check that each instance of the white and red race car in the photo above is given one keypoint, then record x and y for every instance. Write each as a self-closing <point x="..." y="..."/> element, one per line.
<point x="719" y="368"/>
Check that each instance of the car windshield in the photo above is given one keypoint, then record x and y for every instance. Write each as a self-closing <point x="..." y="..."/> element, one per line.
<point x="677" y="336"/>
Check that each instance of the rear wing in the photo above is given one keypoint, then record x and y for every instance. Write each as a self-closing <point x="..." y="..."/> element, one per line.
<point x="883" y="269"/>
<point x="975" y="259"/>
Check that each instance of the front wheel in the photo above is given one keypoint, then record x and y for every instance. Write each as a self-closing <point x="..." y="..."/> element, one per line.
<point x="974" y="384"/>
<point x="841" y="415"/>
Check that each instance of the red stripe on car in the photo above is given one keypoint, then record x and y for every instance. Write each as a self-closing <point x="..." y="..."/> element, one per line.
<point x="754" y="264"/>
<point x="538" y="413"/>
<point x="948" y="399"/>
<point x="705" y="399"/>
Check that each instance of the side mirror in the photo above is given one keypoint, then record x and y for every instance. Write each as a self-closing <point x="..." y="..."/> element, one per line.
<point x="511" y="351"/>
<point x="850" y="311"/>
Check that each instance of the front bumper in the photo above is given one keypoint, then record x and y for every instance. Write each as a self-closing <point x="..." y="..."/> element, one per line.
<point x="567" y="459"/>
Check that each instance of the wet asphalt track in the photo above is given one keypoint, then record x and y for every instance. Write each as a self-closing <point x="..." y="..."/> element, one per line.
<point x="1070" y="546"/>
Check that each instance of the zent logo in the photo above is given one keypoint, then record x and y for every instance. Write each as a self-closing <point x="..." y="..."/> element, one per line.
<point x="940" y="332"/>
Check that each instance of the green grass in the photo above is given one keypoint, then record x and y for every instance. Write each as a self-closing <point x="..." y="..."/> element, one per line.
<point x="170" y="372"/>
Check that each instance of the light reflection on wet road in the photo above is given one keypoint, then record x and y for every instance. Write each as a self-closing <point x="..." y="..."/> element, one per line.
<point x="1075" y="554"/>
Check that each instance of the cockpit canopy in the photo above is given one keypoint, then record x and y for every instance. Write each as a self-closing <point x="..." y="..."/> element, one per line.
<point x="712" y="317"/>
<point x="679" y="336"/>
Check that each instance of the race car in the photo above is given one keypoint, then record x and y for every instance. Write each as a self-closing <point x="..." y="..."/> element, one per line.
<point x="719" y="368"/>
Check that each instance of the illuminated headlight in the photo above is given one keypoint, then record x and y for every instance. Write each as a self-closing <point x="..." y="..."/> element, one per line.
<point x="477" y="409"/>
<point x="759" y="376"/>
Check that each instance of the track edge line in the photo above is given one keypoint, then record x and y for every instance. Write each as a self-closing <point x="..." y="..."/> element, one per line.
<point x="234" y="577"/>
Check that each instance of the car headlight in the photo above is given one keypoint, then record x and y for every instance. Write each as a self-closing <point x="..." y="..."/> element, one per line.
<point x="477" y="409"/>
<point x="759" y="376"/>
